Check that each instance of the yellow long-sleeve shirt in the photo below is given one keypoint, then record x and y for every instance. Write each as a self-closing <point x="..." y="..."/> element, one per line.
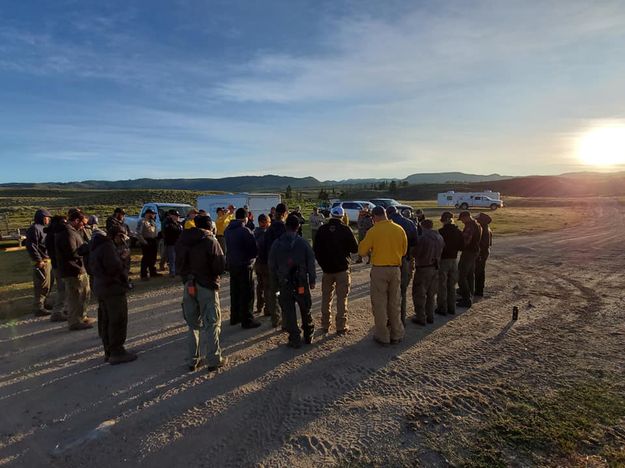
<point x="189" y="223"/>
<point x="222" y="223"/>
<point x="386" y="242"/>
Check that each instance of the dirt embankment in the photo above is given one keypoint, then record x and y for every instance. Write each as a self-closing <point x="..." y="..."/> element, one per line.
<point x="449" y="393"/>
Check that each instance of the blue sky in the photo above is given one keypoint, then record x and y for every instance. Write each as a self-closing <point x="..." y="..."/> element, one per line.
<point x="333" y="89"/>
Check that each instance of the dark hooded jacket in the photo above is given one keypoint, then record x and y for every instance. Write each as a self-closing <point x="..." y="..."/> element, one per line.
<point x="409" y="227"/>
<point x="106" y="266"/>
<point x="454" y="242"/>
<point x="274" y="231"/>
<point x="57" y="224"/>
<point x="171" y="231"/>
<point x="240" y="244"/>
<point x="292" y="258"/>
<point x="333" y="245"/>
<point x="113" y="221"/>
<point x="68" y="243"/>
<point x="199" y="256"/>
<point x="36" y="238"/>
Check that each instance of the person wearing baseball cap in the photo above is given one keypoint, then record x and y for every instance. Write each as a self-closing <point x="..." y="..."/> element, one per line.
<point x="274" y="231"/>
<point x="486" y="241"/>
<point x="333" y="247"/>
<point x="147" y="235"/>
<point x="448" y="269"/>
<point x="42" y="267"/>
<point x="472" y="235"/>
<point x="386" y="243"/>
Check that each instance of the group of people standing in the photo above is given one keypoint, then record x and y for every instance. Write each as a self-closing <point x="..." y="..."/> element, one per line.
<point x="70" y="249"/>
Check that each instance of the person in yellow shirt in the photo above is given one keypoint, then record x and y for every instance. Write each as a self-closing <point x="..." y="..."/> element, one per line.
<point x="385" y="243"/>
<point x="223" y="220"/>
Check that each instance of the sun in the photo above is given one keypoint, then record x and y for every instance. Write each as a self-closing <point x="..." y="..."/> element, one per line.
<point x="603" y="145"/>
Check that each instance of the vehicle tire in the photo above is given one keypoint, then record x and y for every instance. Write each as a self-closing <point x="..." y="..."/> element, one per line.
<point x="464" y="206"/>
<point x="406" y="213"/>
<point x="494" y="206"/>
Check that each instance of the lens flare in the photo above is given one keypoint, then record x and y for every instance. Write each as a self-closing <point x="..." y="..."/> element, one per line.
<point x="603" y="146"/>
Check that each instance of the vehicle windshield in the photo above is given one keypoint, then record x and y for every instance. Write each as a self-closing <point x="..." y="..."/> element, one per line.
<point x="163" y="209"/>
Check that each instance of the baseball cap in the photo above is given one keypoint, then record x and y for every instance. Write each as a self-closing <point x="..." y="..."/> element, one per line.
<point x="391" y="210"/>
<point x="149" y="211"/>
<point x="281" y="208"/>
<point x="446" y="215"/>
<point x="337" y="212"/>
<point x="483" y="218"/>
<point x="119" y="210"/>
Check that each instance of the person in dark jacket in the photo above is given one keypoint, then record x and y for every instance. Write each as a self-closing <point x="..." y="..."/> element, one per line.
<point x="274" y="231"/>
<point x="333" y="247"/>
<point x="472" y="235"/>
<point x="297" y="212"/>
<point x="262" y="272"/>
<point x="200" y="262"/>
<point x="448" y="269"/>
<point x="42" y="267"/>
<point x="59" y="309"/>
<point x="292" y="264"/>
<point x="407" y="263"/>
<point x="427" y="255"/>
<point x="172" y="228"/>
<point x="110" y="284"/>
<point x="69" y="243"/>
<point x="242" y="250"/>
<point x="485" y="244"/>
<point x="117" y="219"/>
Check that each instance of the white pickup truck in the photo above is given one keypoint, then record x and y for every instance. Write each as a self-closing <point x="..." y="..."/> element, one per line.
<point x="161" y="210"/>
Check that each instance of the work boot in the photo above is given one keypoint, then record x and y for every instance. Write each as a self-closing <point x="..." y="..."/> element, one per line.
<point x="380" y="342"/>
<point x="222" y="362"/>
<point x="122" y="358"/>
<point x="430" y="319"/>
<point x="464" y="303"/>
<point x="80" y="326"/>
<point x="308" y="339"/>
<point x="440" y="312"/>
<point x="294" y="344"/>
<point x="89" y="320"/>
<point x="42" y="312"/>
<point x="418" y="321"/>
<point x="196" y="366"/>
<point x="343" y="332"/>
<point x="58" y="317"/>
<point x="251" y="324"/>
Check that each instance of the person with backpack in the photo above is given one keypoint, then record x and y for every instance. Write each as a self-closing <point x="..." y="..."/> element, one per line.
<point x="200" y="262"/>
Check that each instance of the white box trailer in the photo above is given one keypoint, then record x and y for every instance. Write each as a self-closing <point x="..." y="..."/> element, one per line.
<point x="466" y="200"/>
<point x="256" y="202"/>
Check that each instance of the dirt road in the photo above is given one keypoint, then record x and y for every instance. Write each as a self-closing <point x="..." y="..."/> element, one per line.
<point x="343" y="400"/>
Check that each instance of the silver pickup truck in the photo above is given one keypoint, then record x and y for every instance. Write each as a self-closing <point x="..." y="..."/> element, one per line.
<point x="161" y="210"/>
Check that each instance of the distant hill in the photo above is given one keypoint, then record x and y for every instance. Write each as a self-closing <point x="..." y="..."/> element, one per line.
<point x="226" y="184"/>
<point x="249" y="183"/>
<point x="449" y="177"/>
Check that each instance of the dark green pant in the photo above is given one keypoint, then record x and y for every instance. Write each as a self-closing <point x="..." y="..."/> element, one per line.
<point x="480" y="273"/>
<point x="113" y="323"/>
<point x="288" y="299"/>
<point x="466" y="274"/>
<point x="241" y="294"/>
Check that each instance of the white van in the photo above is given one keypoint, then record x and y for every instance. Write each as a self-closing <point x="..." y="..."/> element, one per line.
<point x="257" y="203"/>
<point x="466" y="200"/>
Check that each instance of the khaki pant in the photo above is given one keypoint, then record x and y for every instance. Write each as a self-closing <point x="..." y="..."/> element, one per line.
<point x="60" y="307"/>
<point x="407" y="270"/>
<point x="42" y="284"/>
<point x="77" y="296"/>
<point x="447" y="278"/>
<point x="386" y="303"/>
<point x="330" y="282"/>
<point x="203" y="316"/>
<point x="424" y="288"/>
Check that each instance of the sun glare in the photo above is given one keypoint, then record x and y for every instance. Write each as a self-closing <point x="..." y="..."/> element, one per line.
<point x="603" y="146"/>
